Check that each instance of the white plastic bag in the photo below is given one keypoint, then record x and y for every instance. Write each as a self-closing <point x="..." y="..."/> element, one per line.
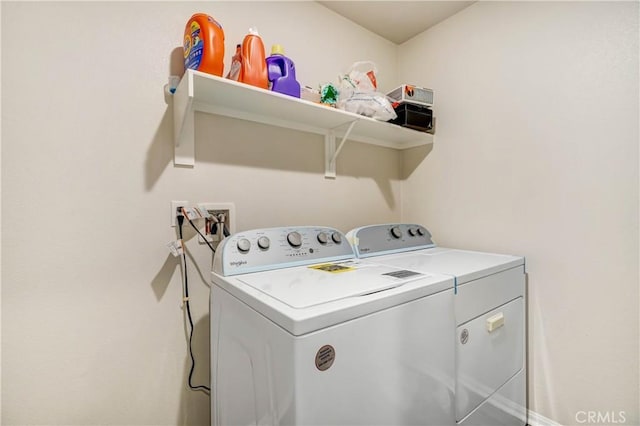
<point x="358" y="93"/>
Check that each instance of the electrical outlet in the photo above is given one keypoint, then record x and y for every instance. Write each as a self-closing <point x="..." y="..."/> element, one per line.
<point x="174" y="211"/>
<point x="224" y="215"/>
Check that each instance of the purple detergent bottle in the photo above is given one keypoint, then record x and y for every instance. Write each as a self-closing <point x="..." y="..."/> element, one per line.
<point x="282" y="73"/>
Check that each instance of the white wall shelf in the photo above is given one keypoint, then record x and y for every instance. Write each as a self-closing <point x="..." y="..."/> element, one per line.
<point x="198" y="91"/>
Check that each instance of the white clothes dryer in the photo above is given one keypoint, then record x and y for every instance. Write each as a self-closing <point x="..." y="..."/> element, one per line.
<point x="302" y="333"/>
<point x="489" y="306"/>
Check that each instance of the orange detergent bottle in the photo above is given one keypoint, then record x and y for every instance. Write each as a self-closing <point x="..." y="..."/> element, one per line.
<point x="253" y="69"/>
<point x="204" y="45"/>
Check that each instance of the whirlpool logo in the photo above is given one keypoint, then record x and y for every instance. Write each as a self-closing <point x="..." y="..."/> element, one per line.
<point x="238" y="263"/>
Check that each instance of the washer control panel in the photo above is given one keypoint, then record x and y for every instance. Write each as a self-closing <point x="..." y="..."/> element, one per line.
<point x="275" y="248"/>
<point x="375" y="240"/>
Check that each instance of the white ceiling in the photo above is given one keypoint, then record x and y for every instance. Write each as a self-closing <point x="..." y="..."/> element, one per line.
<point x="397" y="21"/>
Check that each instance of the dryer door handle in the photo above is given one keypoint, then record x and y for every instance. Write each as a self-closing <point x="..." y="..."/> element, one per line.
<point x="494" y="322"/>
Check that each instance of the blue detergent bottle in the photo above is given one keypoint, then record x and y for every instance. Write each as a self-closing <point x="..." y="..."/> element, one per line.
<point x="282" y="73"/>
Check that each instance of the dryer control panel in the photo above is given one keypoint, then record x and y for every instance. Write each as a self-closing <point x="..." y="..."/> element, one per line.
<point x="375" y="240"/>
<point x="275" y="248"/>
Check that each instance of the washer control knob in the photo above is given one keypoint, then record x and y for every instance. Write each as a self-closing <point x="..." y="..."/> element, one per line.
<point x="263" y="243"/>
<point x="244" y="245"/>
<point x="322" y="238"/>
<point x="396" y="232"/>
<point x="336" y="237"/>
<point x="413" y="232"/>
<point x="420" y="232"/>
<point x="294" y="239"/>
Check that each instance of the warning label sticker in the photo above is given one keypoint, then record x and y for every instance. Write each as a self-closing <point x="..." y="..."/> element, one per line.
<point x="332" y="267"/>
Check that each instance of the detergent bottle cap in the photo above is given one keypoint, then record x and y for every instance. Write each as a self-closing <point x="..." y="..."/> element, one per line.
<point x="277" y="49"/>
<point x="254" y="31"/>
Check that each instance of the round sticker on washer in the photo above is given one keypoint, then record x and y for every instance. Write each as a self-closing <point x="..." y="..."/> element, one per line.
<point x="325" y="357"/>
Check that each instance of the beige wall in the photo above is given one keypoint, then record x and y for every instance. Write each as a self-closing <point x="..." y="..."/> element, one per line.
<point x="536" y="153"/>
<point x="92" y="325"/>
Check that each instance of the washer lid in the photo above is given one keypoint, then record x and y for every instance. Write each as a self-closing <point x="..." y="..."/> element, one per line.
<point x="463" y="264"/>
<point x="304" y="287"/>
<point x="303" y="299"/>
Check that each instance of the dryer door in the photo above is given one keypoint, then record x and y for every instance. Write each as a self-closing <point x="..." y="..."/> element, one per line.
<point x="490" y="351"/>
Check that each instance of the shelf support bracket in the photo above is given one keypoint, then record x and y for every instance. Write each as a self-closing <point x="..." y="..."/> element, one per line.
<point x="183" y="123"/>
<point x="330" y="151"/>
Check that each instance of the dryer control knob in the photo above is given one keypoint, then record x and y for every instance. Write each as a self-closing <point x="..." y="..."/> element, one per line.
<point x="413" y="232"/>
<point x="337" y="238"/>
<point x="263" y="243"/>
<point x="421" y="232"/>
<point x="244" y="245"/>
<point x="322" y="238"/>
<point x="294" y="239"/>
<point x="396" y="232"/>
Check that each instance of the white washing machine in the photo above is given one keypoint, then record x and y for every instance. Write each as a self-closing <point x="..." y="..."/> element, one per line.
<point x="489" y="304"/>
<point x="302" y="333"/>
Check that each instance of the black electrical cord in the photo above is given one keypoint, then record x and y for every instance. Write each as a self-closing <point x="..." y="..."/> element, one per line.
<point x="186" y="302"/>
<point x="200" y="233"/>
